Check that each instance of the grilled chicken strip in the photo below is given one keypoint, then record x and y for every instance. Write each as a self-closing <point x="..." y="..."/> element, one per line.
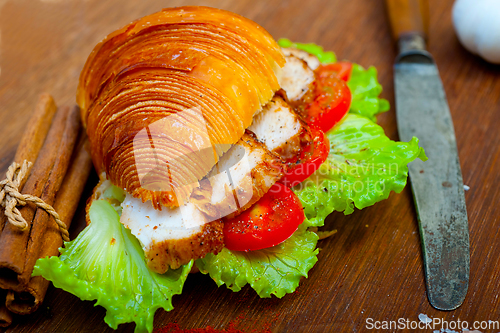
<point x="297" y="79"/>
<point x="171" y="237"/>
<point x="241" y="177"/>
<point x="311" y="60"/>
<point x="279" y="128"/>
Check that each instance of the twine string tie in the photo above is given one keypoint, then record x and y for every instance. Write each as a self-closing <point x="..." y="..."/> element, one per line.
<point x="11" y="198"/>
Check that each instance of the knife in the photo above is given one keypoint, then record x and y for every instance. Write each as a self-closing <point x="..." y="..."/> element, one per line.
<point x="437" y="185"/>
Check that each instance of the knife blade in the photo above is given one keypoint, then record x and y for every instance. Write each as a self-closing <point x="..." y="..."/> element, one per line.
<point x="422" y="111"/>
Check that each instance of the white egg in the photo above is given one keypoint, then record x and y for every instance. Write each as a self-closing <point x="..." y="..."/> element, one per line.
<point x="477" y="24"/>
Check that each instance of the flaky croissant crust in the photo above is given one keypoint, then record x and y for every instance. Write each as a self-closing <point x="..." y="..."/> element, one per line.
<point x="165" y="96"/>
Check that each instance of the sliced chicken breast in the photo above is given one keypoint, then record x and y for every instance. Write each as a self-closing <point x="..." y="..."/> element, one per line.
<point x="171" y="237"/>
<point x="279" y="128"/>
<point x="311" y="60"/>
<point x="297" y="79"/>
<point x="241" y="177"/>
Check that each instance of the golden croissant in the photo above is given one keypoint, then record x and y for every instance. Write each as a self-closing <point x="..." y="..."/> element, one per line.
<point x="181" y="72"/>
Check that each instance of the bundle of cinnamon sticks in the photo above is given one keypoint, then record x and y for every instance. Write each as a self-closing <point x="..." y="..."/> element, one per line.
<point x="58" y="148"/>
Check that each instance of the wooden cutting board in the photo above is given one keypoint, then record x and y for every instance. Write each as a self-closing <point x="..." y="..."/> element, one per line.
<point x="371" y="269"/>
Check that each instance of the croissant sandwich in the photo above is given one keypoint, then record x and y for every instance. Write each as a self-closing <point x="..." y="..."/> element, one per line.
<point x="209" y="140"/>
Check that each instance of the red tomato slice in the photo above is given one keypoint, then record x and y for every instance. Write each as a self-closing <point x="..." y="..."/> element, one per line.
<point x="332" y="99"/>
<point x="341" y="69"/>
<point x="270" y="221"/>
<point x="309" y="160"/>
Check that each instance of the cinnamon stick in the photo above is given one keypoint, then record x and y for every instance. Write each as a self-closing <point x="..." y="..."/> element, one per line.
<point x="36" y="132"/>
<point x="42" y="219"/>
<point x="66" y="203"/>
<point x="34" y="136"/>
<point x="13" y="240"/>
<point x="5" y="314"/>
<point x="2" y="220"/>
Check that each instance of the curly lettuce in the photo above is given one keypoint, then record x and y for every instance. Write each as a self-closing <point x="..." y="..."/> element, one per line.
<point x="106" y="263"/>
<point x="325" y="57"/>
<point x="272" y="271"/>
<point x="363" y="167"/>
<point x="365" y="90"/>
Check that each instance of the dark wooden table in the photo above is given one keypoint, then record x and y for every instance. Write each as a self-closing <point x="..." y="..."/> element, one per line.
<point x="372" y="267"/>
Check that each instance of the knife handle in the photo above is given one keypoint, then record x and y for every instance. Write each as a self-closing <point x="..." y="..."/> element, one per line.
<point x="409" y="21"/>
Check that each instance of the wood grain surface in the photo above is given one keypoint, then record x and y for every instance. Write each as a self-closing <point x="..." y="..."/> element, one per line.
<point x="372" y="267"/>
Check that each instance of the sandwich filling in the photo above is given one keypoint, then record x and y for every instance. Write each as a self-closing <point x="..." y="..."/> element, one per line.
<point x="171" y="237"/>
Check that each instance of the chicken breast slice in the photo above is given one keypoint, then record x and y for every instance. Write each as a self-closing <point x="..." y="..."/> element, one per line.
<point x="311" y="60"/>
<point x="297" y="79"/>
<point x="279" y="128"/>
<point x="171" y="237"/>
<point x="241" y="177"/>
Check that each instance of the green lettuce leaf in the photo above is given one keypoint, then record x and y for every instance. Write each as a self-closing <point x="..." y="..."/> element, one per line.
<point x="325" y="57"/>
<point x="272" y="271"/>
<point x="363" y="167"/>
<point x="365" y="90"/>
<point x="106" y="263"/>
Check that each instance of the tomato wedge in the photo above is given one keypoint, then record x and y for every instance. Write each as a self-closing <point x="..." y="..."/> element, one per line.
<point x="270" y="221"/>
<point x="341" y="69"/>
<point x="332" y="98"/>
<point x="309" y="160"/>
